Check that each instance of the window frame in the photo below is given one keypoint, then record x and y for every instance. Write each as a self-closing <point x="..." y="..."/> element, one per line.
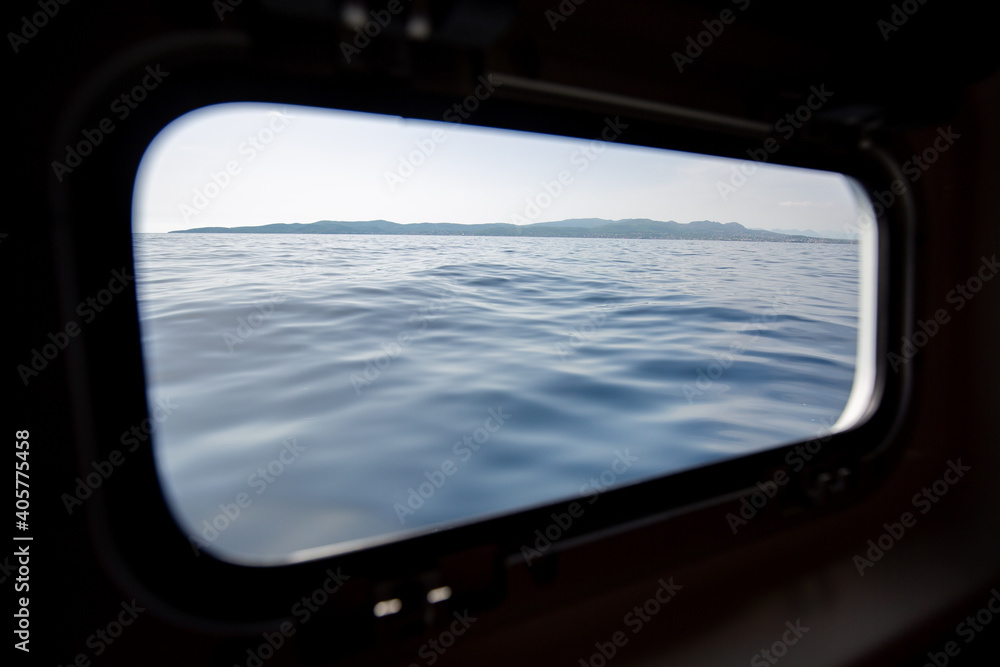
<point x="146" y="549"/>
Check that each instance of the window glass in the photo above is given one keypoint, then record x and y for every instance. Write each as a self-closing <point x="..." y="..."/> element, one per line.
<point x="358" y="327"/>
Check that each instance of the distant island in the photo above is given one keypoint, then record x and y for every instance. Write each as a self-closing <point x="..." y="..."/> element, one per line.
<point x="638" y="228"/>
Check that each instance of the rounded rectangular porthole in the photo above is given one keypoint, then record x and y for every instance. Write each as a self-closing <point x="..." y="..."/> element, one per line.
<point x="358" y="328"/>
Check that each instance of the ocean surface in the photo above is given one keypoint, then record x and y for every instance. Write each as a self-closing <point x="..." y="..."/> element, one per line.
<point x="312" y="390"/>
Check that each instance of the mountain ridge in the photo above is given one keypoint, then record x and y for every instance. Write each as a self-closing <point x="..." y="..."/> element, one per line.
<point x="569" y="228"/>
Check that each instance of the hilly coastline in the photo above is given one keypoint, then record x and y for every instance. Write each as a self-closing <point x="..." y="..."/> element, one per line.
<point x="637" y="228"/>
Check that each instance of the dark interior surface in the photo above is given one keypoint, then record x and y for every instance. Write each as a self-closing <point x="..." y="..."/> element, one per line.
<point x="899" y="75"/>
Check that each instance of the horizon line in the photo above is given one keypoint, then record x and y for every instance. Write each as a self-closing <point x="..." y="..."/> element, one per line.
<point x="470" y="224"/>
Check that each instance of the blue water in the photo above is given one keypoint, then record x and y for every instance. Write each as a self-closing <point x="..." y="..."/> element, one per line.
<point x="497" y="372"/>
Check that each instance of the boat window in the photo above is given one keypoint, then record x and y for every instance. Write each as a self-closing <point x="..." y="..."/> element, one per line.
<point x="359" y="327"/>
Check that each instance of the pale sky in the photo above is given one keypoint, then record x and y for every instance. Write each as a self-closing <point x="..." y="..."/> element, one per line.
<point x="300" y="164"/>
